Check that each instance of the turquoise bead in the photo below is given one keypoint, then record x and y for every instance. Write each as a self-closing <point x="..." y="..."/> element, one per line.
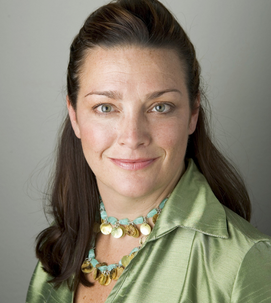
<point x="162" y="204"/>
<point x="124" y="221"/>
<point x="152" y="213"/>
<point x="134" y="250"/>
<point x="94" y="262"/>
<point x="103" y="268"/>
<point x="91" y="254"/>
<point x="103" y="215"/>
<point x="111" y="266"/>
<point x="139" y="220"/>
<point x="112" y="220"/>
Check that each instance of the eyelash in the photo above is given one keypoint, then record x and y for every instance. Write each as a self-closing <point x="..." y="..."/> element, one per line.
<point x="169" y="105"/>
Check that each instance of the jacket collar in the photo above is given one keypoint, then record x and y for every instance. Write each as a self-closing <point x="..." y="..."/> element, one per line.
<point x="192" y="205"/>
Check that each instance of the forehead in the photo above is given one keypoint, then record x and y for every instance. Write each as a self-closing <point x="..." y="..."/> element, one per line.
<point x="131" y="66"/>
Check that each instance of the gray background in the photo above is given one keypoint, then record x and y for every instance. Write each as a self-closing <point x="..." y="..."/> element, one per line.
<point x="232" y="39"/>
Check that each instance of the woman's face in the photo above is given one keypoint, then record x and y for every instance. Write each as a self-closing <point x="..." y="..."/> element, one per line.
<point x="133" y="119"/>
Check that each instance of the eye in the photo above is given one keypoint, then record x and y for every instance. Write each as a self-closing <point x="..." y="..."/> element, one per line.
<point x="104" y="108"/>
<point x="162" y="108"/>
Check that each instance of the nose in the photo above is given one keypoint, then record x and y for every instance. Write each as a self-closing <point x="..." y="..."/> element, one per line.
<point x="133" y="131"/>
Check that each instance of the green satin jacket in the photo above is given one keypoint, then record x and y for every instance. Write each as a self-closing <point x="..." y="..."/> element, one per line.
<point x="199" y="251"/>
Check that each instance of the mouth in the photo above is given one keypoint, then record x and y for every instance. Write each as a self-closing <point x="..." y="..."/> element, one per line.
<point x="133" y="164"/>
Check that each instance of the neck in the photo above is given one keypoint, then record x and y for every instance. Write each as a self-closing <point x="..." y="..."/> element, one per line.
<point x="126" y="204"/>
<point x="121" y="207"/>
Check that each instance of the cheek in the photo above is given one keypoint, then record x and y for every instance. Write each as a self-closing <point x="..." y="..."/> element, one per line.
<point x="173" y="136"/>
<point x="95" y="138"/>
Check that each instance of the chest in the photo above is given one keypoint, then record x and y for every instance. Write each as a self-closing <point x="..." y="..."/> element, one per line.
<point x="97" y="293"/>
<point x="171" y="269"/>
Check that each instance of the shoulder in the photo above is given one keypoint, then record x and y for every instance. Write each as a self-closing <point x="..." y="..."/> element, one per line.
<point x="250" y="253"/>
<point x="40" y="290"/>
<point x="239" y="264"/>
<point x="244" y="233"/>
<point x="243" y="241"/>
<point x="240" y="241"/>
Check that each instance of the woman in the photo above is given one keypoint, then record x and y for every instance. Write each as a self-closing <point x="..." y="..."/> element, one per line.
<point x="145" y="207"/>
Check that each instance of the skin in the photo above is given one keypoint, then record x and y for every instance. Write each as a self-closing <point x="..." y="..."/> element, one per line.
<point x="133" y="118"/>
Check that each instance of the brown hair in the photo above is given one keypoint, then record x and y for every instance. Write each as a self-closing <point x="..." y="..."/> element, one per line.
<point x="74" y="195"/>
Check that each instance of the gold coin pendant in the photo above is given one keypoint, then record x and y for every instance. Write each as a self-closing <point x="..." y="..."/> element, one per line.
<point x="132" y="255"/>
<point x="114" y="274"/>
<point x="118" y="232"/>
<point x="106" y="228"/>
<point x="132" y="231"/>
<point x="119" y="272"/>
<point x="154" y="218"/>
<point x="123" y="231"/>
<point x="108" y="280"/>
<point x="102" y="278"/>
<point x="96" y="227"/>
<point x="125" y="260"/>
<point x="87" y="267"/>
<point x="96" y="273"/>
<point x="137" y="233"/>
<point x="101" y="264"/>
<point x="142" y="240"/>
<point x="145" y="229"/>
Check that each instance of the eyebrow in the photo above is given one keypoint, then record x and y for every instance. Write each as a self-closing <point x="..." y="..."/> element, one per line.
<point x="116" y="95"/>
<point x="110" y="94"/>
<point x="160" y="93"/>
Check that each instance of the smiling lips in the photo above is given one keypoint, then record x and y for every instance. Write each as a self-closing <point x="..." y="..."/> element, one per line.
<point x="133" y="164"/>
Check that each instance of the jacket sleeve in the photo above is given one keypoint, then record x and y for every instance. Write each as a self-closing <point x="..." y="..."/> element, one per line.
<point x="253" y="280"/>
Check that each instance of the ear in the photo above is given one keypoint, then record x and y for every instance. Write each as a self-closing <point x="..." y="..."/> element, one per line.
<point x="73" y="118"/>
<point x="194" y="116"/>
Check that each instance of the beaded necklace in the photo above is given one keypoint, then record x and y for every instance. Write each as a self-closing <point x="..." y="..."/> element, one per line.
<point x="106" y="273"/>
<point x="119" y="228"/>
